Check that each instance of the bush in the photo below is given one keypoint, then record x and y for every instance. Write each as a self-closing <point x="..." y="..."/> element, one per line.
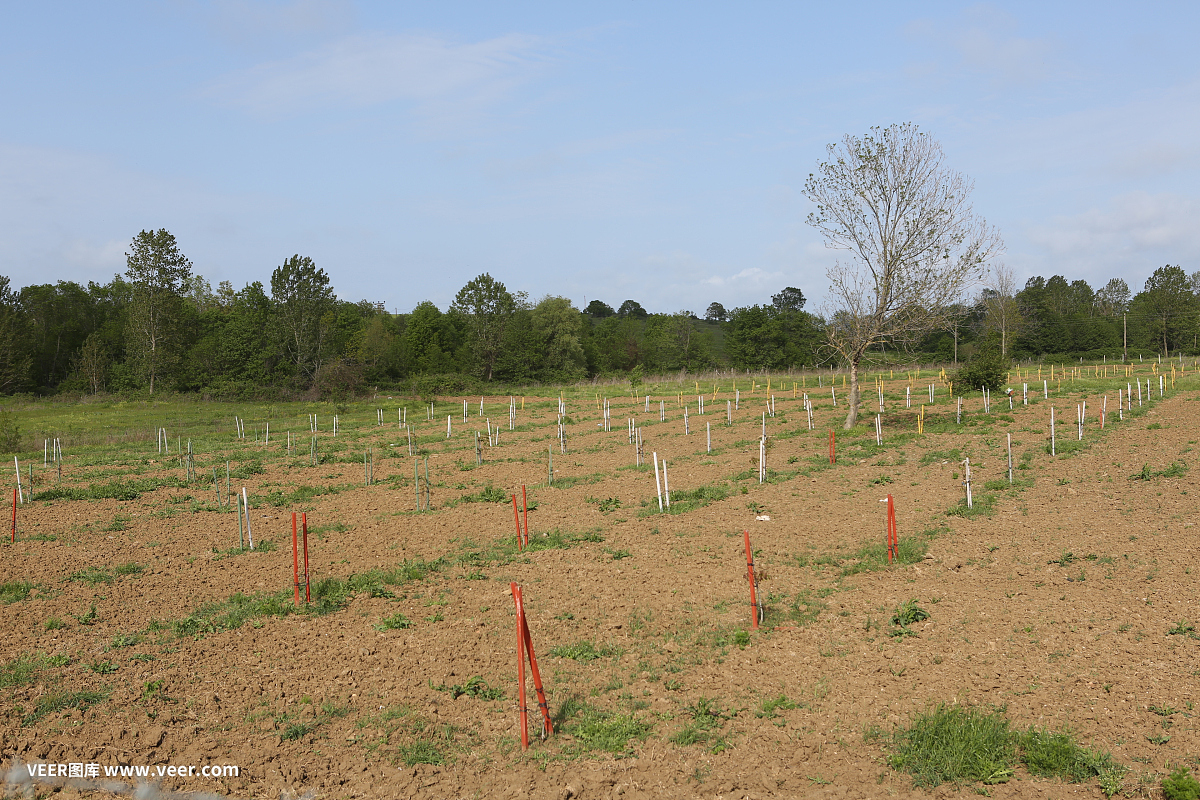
<point x="986" y="368"/>
<point x="339" y="380"/>
<point x="1180" y="785"/>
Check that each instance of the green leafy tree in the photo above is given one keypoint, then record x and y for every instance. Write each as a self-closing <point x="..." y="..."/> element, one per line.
<point x="428" y="341"/>
<point x="754" y="338"/>
<point x="304" y="305"/>
<point x="599" y="310"/>
<point x="487" y="307"/>
<point x="14" y="356"/>
<point x="1113" y="298"/>
<point x="558" y="325"/>
<point x="1170" y="306"/>
<point x="673" y="342"/>
<point x="632" y="308"/>
<point x="716" y="313"/>
<point x="91" y="363"/>
<point x="158" y="273"/>
<point x="790" y="299"/>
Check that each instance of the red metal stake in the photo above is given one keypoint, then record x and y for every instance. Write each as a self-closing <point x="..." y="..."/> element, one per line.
<point x="893" y="541"/>
<point x="522" y="710"/>
<point x="525" y="506"/>
<point x="517" y="521"/>
<point x="295" y="560"/>
<point x="547" y="724"/>
<point x="750" y="573"/>
<point x="307" y="594"/>
<point x="14" y="525"/>
<point x="831" y="456"/>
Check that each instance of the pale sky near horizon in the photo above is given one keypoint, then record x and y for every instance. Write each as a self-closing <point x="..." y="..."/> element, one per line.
<point x="612" y="151"/>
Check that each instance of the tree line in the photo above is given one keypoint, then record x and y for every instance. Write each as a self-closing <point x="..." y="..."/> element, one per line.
<point x="161" y="327"/>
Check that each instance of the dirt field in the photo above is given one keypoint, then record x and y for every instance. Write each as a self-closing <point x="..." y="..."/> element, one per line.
<point x="1068" y="599"/>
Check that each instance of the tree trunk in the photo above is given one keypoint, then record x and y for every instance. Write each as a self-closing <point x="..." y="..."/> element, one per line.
<point x="852" y="416"/>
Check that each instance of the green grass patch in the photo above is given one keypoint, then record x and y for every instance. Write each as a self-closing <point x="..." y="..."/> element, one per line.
<point x="594" y="729"/>
<point x="956" y="744"/>
<point x="61" y="701"/>
<point x="1001" y="484"/>
<point x="28" y="668"/>
<point x="982" y="505"/>
<point x="567" y="481"/>
<point x="279" y="498"/>
<point x="963" y="745"/>
<point x="15" y="591"/>
<point x="394" y="623"/>
<point x="585" y="651"/>
<point x="421" y="751"/>
<point x="691" y="499"/>
<point x="328" y="595"/>
<point x="488" y="494"/>
<point x="1056" y="754"/>
<point x="1177" y="469"/>
<point x="805" y="607"/>
<point x="769" y="707"/>
<point x="705" y="727"/>
<point x="117" y="490"/>
<point x="954" y="456"/>
<point x="504" y="550"/>
<point x="92" y="575"/>
<point x="475" y="687"/>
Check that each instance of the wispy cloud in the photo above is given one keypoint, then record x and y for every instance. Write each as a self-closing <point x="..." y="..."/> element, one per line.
<point x="983" y="41"/>
<point x="752" y="278"/>
<point x="247" y="23"/>
<point x="446" y="81"/>
<point x="1133" y="234"/>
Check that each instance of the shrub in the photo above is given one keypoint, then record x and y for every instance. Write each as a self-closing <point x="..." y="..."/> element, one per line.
<point x="986" y="368"/>
<point x="1180" y="785"/>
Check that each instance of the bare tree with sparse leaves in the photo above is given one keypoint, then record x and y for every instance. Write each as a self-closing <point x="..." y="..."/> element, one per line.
<point x="1001" y="312"/>
<point x="914" y="244"/>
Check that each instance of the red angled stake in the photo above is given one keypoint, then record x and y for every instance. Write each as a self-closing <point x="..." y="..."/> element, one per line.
<point x="755" y="608"/>
<point x="522" y="711"/>
<point x="307" y="595"/>
<point x="525" y="646"/>
<point x="525" y="507"/>
<point x="295" y="560"/>
<point x="517" y="522"/>
<point x="893" y="538"/>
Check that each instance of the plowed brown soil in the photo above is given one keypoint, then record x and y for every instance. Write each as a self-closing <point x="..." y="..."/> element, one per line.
<point x="1058" y="606"/>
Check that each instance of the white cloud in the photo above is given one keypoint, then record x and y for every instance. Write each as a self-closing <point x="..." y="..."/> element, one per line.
<point x="751" y="278"/>
<point x="71" y="214"/>
<point x="1130" y="237"/>
<point x="246" y="23"/>
<point x="446" y="81"/>
<point x="982" y="41"/>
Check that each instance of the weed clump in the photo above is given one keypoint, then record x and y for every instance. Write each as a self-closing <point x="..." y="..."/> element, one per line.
<point x="961" y="745"/>
<point x="584" y="651"/>
<point x="596" y="729"/>
<point x="15" y="591"/>
<point x="1180" y="785"/>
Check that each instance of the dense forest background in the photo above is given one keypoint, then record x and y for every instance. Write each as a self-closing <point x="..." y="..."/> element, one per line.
<point x="161" y="327"/>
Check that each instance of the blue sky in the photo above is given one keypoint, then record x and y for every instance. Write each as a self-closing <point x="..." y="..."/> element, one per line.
<point x="653" y="151"/>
